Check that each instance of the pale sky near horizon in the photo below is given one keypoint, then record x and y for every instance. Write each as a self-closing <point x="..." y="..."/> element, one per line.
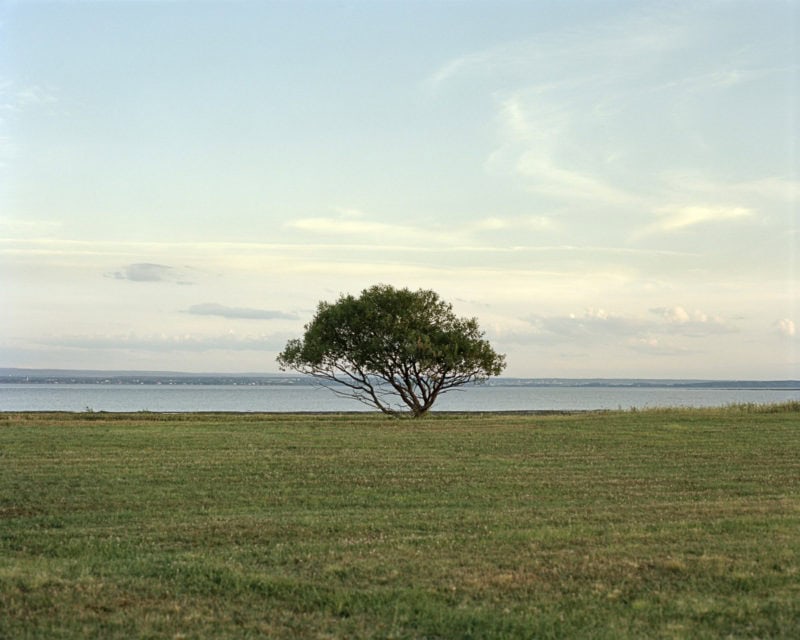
<point x="610" y="187"/>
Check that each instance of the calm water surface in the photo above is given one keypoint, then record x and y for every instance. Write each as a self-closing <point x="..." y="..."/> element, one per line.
<point x="290" y="398"/>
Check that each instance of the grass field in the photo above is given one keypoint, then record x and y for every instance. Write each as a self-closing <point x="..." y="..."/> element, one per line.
<point x="654" y="524"/>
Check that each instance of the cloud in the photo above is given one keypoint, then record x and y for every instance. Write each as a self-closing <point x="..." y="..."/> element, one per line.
<point x="340" y="226"/>
<point x="772" y="187"/>
<point x="145" y="272"/>
<point x="590" y="326"/>
<point x="595" y="116"/>
<point x="534" y="137"/>
<point x="677" y="315"/>
<point x="674" y="218"/>
<point x="464" y="65"/>
<point x="166" y="342"/>
<point x="14" y="99"/>
<point x="496" y="223"/>
<point x="353" y="223"/>
<point x="349" y="212"/>
<point x="557" y="56"/>
<point x="14" y="226"/>
<point x="565" y="100"/>
<point x="775" y="188"/>
<point x="213" y="309"/>
<point x="597" y="325"/>
<point x="693" y="324"/>
<point x="34" y="95"/>
<point x="149" y="272"/>
<point x="465" y="235"/>
<point x="786" y="327"/>
<point x="550" y="179"/>
<point x="656" y="347"/>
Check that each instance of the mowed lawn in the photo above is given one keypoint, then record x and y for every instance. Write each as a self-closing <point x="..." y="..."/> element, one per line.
<point x="653" y="524"/>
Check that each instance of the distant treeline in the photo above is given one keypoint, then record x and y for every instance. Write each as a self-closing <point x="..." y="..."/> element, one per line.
<point x="650" y="384"/>
<point x="154" y="379"/>
<point x="36" y="376"/>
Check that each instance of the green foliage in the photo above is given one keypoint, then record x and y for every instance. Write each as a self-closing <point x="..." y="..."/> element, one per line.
<point x="394" y="349"/>
<point x="655" y="524"/>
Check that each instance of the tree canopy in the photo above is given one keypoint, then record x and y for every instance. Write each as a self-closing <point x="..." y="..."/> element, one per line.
<point x="393" y="349"/>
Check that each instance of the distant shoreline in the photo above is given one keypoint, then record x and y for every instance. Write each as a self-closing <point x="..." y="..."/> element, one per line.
<point x="93" y="377"/>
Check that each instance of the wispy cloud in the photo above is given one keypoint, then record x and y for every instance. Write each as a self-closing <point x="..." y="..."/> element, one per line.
<point x="595" y="117"/>
<point x="169" y="342"/>
<point x="549" y="179"/>
<point x="589" y="326"/>
<point x="346" y="225"/>
<point x="15" y="98"/>
<point x="657" y="347"/>
<point x="534" y="133"/>
<point x="500" y="223"/>
<point x="676" y="218"/>
<point x="244" y="313"/>
<point x="545" y="57"/>
<point x="596" y="326"/>
<point x="678" y="320"/>
<point x="14" y="226"/>
<point x="771" y="187"/>
<point x="775" y="188"/>
<point x="31" y="95"/>
<point x="145" y="272"/>
<point x="467" y="235"/>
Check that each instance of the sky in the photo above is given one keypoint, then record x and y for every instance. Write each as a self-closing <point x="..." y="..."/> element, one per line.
<point x="611" y="188"/>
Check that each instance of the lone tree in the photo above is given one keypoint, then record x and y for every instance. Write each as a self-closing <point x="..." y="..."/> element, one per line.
<point x="393" y="349"/>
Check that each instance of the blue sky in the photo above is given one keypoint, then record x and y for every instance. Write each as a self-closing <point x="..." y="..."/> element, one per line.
<point x="611" y="188"/>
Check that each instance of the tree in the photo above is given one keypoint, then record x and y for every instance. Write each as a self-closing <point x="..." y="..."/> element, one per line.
<point x="393" y="349"/>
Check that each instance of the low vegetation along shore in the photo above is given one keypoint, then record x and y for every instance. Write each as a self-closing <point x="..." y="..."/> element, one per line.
<point x="669" y="523"/>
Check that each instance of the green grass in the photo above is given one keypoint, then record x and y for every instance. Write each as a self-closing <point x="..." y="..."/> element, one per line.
<point x="651" y="524"/>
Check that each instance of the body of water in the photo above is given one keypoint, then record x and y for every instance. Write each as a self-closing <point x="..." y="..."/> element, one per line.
<point x="297" y="398"/>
